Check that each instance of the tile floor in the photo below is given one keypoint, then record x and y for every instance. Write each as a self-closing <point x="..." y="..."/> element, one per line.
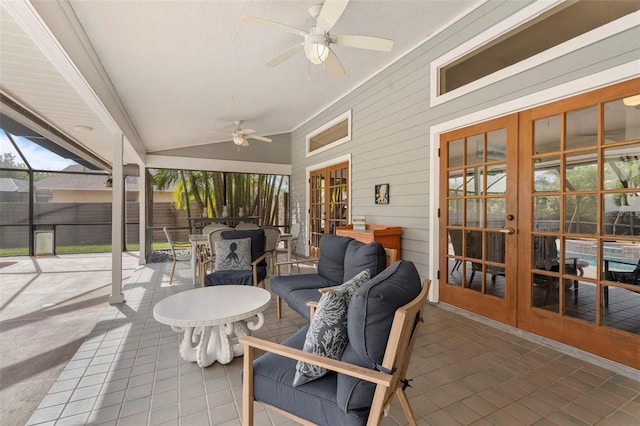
<point x="128" y="372"/>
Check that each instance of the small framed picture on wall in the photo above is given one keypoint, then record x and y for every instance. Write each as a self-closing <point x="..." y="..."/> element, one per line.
<point x="382" y="193"/>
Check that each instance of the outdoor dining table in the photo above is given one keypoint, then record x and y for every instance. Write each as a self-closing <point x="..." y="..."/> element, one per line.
<point x="195" y="221"/>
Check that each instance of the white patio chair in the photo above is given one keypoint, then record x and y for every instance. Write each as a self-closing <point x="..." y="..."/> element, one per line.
<point x="271" y="241"/>
<point x="177" y="252"/>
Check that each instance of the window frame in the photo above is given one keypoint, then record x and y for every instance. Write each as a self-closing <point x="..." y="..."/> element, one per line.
<point x="521" y="18"/>
<point x="347" y="115"/>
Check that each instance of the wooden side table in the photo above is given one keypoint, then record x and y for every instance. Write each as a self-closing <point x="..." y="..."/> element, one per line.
<point x="388" y="236"/>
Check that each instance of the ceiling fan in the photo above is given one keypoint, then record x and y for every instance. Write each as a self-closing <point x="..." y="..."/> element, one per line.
<point x="317" y="40"/>
<point x="240" y="135"/>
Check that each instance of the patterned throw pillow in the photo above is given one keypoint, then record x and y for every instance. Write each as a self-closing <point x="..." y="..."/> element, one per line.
<point x="233" y="255"/>
<point x="327" y="334"/>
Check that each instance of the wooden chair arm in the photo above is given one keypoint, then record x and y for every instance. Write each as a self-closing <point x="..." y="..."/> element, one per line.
<point x="377" y="377"/>
<point x="392" y="255"/>
<point x="294" y="262"/>
<point x="260" y="259"/>
<point x="254" y="269"/>
<point x="313" y="306"/>
<point x="323" y="290"/>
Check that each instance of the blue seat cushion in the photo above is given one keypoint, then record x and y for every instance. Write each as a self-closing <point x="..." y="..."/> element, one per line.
<point x="244" y="277"/>
<point x="369" y="320"/>
<point x="298" y="299"/>
<point x="283" y="284"/>
<point x="314" y="401"/>
<point x="297" y="290"/>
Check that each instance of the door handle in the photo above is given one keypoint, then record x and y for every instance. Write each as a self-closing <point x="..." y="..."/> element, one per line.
<point x="508" y="230"/>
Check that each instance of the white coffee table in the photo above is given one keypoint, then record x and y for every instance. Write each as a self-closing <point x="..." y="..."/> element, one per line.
<point x="212" y="319"/>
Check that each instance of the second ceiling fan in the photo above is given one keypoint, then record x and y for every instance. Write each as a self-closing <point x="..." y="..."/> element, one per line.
<point x="317" y="40"/>
<point x="240" y="136"/>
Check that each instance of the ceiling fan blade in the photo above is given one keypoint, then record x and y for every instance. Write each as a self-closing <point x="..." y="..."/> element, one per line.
<point x="260" y="138"/>
<point x="333" y="64"/>
<point x="245" y="143"/>
<point x="330" y="13"/>
<point x="285" y="55"/>
<point x="364" y="42"/>
<point x="246" y="131"/>
<point x="273" y="24"/>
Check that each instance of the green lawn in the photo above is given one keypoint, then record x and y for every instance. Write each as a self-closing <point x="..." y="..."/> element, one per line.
<point x="96" y="248"/>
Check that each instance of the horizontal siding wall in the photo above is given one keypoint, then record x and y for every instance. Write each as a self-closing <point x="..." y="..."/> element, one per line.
<point x="392" y="122"/>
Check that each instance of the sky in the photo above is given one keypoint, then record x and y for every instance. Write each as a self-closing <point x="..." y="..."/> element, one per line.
<point x="38" y="157"/>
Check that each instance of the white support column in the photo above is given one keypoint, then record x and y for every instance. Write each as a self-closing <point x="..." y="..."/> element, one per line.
<point x="117" y="221"/>
<point x="142" y="201"/>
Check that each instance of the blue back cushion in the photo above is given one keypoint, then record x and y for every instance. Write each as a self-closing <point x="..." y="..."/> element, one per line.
<point x="332" y="253"/>
<point x="257" y="241"/>
<point x="370" y="316"/>
<point x="360" y="256"/>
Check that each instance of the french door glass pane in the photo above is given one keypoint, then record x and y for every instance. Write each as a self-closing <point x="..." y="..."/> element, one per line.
<point x="580" y="214"/>
<point x="546" y="134"/>
<point x="580" y="257"/>
<point x="496" y="179"/>
<point x="546" y="174"/>
<point x="621" y="213"/>
<point x="456" y="153"/>
<point x="474" y="213"/>
<point x="496" y="212"/>
<point x="621" y="122"/>
<point x="456" y="212"/>
<point x="620" y="258"/>
<point x="456" y="183"/>
<point x="475" y="181"/>
<point x="622" y="167"/>
<point x="581" y="171"/>
<point x="475" y="149"/>
<point x="582" y="128"/>
<point x="546" y="213"/>
<point x="497" y="145"/>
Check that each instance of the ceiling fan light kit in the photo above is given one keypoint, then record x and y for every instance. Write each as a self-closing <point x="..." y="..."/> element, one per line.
<point x="317" y="41"/>
<point x="316" y="48"/>
<point x="240" y="137"/>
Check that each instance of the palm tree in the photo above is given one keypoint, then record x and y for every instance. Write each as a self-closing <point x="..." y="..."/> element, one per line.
<point x="258" y="194"/>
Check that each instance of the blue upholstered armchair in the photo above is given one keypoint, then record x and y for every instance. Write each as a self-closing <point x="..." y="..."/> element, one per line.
<point x="384" y="315"/>
<point x="240" y="259"/>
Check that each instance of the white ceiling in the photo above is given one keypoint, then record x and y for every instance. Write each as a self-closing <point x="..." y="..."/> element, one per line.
<point x="175" y="74"/>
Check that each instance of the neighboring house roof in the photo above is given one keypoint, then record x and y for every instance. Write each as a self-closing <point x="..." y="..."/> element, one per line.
<point x="72" y="181"/>
<point x="13" y="185"/>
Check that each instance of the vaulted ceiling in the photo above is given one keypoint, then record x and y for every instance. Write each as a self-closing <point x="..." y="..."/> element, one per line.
<point x="175" y="75"/>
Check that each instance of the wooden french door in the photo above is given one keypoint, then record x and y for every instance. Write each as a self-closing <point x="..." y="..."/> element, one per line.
<point x="540" y="221"/>
<point x="580" y="222"/>
<point x="328" y="205"/>
<point x="478" y="213"/>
